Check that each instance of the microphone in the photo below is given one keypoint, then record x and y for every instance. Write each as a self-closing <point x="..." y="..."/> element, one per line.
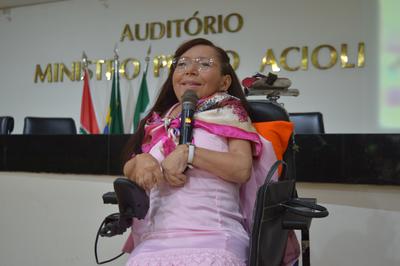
<point x="189" y="101"/>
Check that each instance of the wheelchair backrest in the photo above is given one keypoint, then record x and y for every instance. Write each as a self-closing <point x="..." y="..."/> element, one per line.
<point x="267" y="111"/>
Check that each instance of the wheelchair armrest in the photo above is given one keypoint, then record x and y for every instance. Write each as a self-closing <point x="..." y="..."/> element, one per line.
<point x="110" y="198"/>
<point x="297" y="222"/>
<point x="132" y="199"/>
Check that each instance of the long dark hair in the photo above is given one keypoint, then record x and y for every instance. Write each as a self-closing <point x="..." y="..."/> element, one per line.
<point x="167" y="97"/>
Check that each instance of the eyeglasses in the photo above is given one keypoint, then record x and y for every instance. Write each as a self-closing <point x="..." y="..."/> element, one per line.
<point x="202" y="64"/>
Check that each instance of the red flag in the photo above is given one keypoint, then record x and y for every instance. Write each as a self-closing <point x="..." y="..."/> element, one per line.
<point x="88" y="116"/>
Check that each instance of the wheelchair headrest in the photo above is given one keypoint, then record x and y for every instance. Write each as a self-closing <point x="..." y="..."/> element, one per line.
<point x="265" y="111"/>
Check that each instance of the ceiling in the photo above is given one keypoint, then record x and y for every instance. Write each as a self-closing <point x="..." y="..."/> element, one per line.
<point x="18" y="3"/>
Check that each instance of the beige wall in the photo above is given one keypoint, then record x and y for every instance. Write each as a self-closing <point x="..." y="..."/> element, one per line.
<point x="59" y="32"/>
<point x="362" y="227"/>
<point x="52" y="219"/>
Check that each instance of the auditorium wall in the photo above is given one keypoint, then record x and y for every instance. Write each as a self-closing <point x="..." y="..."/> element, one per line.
<point x="57" y="33"/>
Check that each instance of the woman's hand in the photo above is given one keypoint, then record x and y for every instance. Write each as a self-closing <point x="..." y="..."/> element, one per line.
<point x="144" y="170"/>
<point x="175" y="164"/>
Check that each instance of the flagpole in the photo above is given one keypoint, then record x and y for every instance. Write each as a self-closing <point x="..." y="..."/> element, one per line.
<point x="116" y="63"/>
<point x="147" y="58"/>
<point x="85" y="65"/>
<point x="84" y="61"/>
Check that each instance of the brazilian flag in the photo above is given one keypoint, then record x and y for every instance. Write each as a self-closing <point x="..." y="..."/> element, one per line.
<point x="114" y="121"/>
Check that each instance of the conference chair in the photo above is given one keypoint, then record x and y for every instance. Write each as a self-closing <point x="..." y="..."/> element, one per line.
<point x="6" y="125"/>
<point x="49" y="126"/>
<point x="308" y="123"/>
<point x="133" y="201"/>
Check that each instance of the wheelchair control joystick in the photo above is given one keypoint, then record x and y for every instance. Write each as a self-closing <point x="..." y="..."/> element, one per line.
<point x="132" y="201"/>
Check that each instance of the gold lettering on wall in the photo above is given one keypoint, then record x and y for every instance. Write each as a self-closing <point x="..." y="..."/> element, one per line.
<point x="332" y="56"/>
<point x="109" y="69"/>
<point x="126" y="33"/>
<point x="228" y="22"/>
<point x="270" y="59"/>
<point x="78" y="73"/>
<point x="99" y="68"/>
<point x="283" y="59"/>
<point x="209" y="22"/>
<point x="304" y="58"/>
<point x="344" y="57"/>
<point x="65" y="71"/>
<point x="191" y="26"/>
<point x="130" y="67"/>
<point x="157" y="30"/>
<point x="138" y="34"/>
<point x="161" y="61"/>
<point x="361" y="55"/>
<point x="135" y="64"/>
<point x="55" y="72"/>
<point x="47" y="73"/>
<point x="235" y="62"/>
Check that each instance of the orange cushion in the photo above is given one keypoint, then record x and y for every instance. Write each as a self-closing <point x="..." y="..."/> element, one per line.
<point x="278" y="133"/>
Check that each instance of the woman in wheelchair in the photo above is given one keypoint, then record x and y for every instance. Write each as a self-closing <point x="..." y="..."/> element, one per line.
<point x="199" y="213"/>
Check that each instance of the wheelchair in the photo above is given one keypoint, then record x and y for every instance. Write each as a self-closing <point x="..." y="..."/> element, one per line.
<point x="134" y="203"/>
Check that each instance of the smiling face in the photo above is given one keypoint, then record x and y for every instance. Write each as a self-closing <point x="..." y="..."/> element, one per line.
<point x="199" y="69"/>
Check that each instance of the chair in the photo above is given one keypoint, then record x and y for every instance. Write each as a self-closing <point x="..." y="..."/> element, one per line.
<point x="49" y="126"/>
<point x="308" y="123"/>
<point x="6" y="125"/>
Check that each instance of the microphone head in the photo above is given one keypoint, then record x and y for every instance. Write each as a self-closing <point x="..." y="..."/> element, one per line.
<point x="190" y="96"/>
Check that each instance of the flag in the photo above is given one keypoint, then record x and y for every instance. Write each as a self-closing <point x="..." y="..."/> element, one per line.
<point x="130" y="105"/>
<point x="114" y="122"/>
<point x="88" y="115"/>
<point x="142" y="100"/>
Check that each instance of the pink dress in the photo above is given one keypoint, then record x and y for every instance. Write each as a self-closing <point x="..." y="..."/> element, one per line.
<point x="205" y="222"/>
<point x="197" y="224"/>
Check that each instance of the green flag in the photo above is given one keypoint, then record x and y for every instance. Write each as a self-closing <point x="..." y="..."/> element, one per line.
<point x="114" y="122"/>
<point x="142" y="100"/>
